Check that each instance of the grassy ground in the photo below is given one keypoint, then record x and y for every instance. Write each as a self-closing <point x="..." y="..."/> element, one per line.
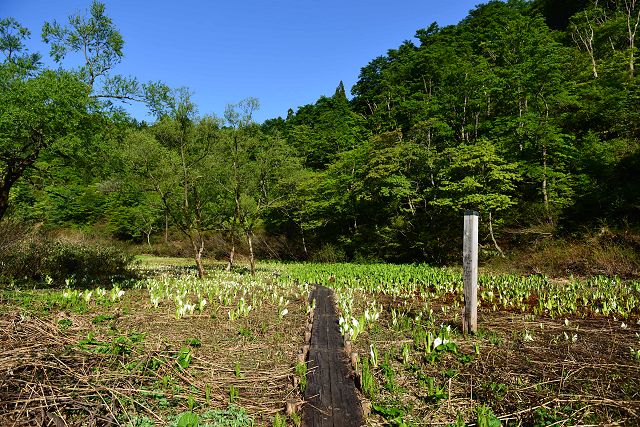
<point x="66" y="361"/>
<point x="527" y="370"/>
<point x="561" y="352"/>
<point x="157" y="354"/>
<point x="150" y="262"/>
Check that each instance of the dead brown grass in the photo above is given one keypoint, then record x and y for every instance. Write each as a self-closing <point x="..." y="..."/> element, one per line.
<point x="551" y="380"/>
<point x="47" y="377"/>
<point x="603" y="253"/>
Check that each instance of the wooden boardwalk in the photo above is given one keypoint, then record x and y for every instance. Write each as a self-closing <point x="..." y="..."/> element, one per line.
<point x="331" y="393"/>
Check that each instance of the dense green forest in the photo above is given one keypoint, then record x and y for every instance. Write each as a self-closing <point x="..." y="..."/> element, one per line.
<point x="528" y="112"/>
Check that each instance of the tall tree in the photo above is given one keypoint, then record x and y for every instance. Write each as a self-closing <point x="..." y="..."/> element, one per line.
<point x="175" y="157"/>
<point x="322" y="130"/>
<point x="235" y="151"/>
<point x="41" y="109"/>
<point x="95" y="38"/>
<point x="252" y="168"/>
<point x="476" y="176"/>
<point x="38" y="109"/>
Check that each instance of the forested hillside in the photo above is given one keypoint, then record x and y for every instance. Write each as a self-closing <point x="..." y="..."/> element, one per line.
<point x="528" y="112"/>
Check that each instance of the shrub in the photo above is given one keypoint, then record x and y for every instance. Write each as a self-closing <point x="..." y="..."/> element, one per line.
<point x="88" y="264"/>
<point x="12" y="234"/>
<point x="329" y="253"/>
<point x="604" y="253"/>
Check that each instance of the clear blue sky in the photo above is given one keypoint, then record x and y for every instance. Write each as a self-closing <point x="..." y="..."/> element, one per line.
<point x="286" y="53"/>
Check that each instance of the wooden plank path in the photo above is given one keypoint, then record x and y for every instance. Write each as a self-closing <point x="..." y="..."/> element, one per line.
<point x="330" y="394"/>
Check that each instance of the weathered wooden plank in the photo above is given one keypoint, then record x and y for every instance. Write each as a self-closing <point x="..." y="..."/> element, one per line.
<point x="312" y="392"/>
<point x="330" y="395"/>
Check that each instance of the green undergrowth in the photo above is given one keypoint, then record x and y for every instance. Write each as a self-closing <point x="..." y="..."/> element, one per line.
<point x="232" y="416"/>
<point x="538" y="294"/>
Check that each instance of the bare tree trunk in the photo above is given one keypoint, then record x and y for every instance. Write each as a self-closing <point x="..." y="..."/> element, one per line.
<point x="198" y="248"/>
<point x="166" y="227"/>
<point x="252" y="259"/>
<point x="594" y="70"/>
<point x="304" y="242"/>
<point x="232" y="252"/>
<point x="545" y="193"/>
<point x="520" y="114"/>
<point x="585" y="38"/>
<point x="633" y="20"/>
<point x="15" y="168"/>
<point x="493" y="237"/>
<point x="4" y="200"/>
<point x="232" y="255"/>
<point x="475" y="135"/>
<point x="236" y="199"/>
<point x="149" y="239"/>
<point x="463" y="131"/>
<point x="8" y="179"/>
<point x="545" y="160"/>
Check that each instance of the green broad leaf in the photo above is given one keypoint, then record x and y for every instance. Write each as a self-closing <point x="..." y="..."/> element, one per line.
<point x="184" y="357"/>
<point x="486" y="417"/>
<point x="388" y="412"/>
<point x="465" y="358"/>
<point x="194" y="342"/>
<point x="450" y="373"/>
<point x="188" y="419"/>
<point x="101" y="318"/>
<point x="451" y="346"/>
<point x="137" y="337"/>
<point x="64" y="323"/>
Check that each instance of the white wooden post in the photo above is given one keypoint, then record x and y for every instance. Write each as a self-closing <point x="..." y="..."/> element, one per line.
<point x="470" y="272"/>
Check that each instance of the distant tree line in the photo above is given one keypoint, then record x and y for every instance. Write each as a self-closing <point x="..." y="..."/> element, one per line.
<point x="528" y="112"/>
